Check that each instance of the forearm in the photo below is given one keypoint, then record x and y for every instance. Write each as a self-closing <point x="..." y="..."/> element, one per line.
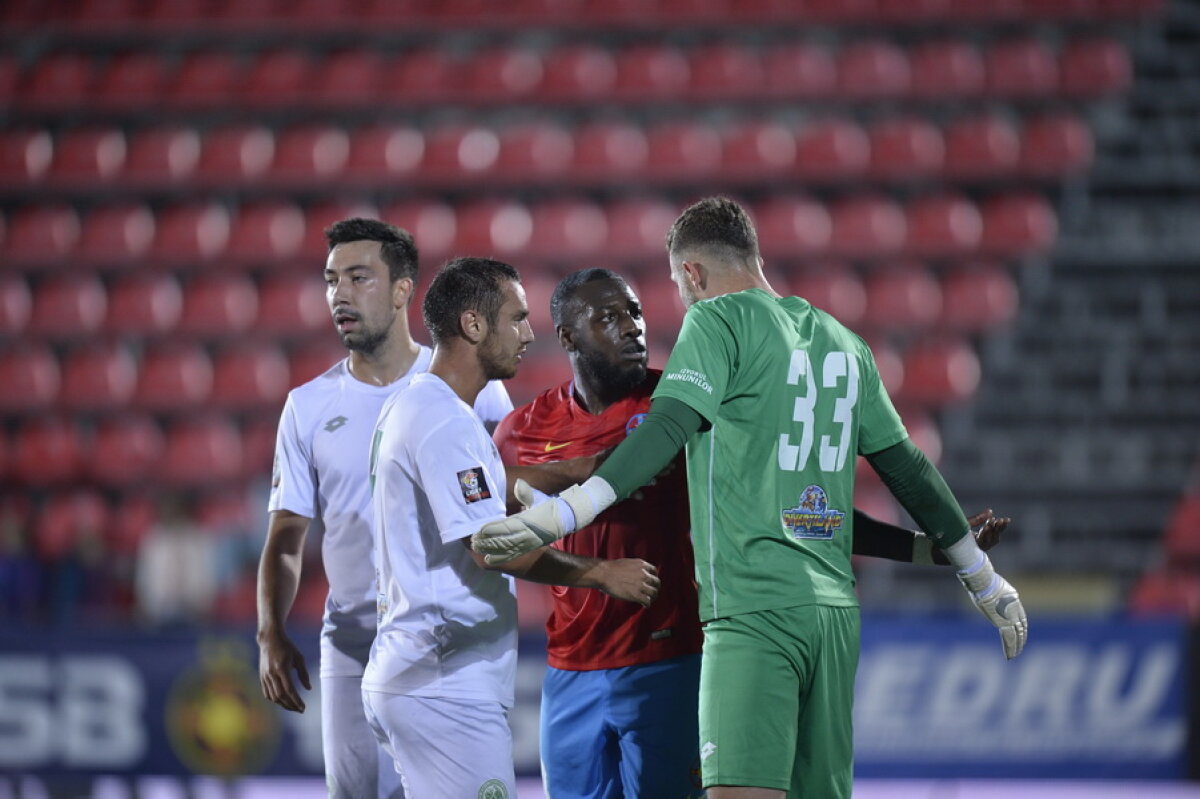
<point x="655" y="443"/>
<point x="551" y="566"/>
<point x="279" y="571"/>
<point x="922" y="491"/>
<point x="550" y="478"/>
<point x="878" y="539"/>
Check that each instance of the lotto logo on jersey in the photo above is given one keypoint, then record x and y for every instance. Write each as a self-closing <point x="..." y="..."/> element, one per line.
<point x="474" y="485"/>
<point x="812" y="518"/>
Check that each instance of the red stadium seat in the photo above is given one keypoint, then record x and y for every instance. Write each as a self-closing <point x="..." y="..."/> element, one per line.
<point x="687" y="150"/>
<point x="800" y="70"/>
<point x="981" y="147"/>
<point x="191" y="232"/>
<point x="832" y="149"/>
<point x="59" y="81"/>
<point x="218" y="304"/>
<point x="97" y="377"/>
<point x="116" y="235"/>
<point x="1182" y="536"/>
<point x="236" y="153"/>
<point x="348" y="78"/>
<point x="1055" y="145"/>
<point x="258" y="444"/>
<point x="266" y="231"/>
<point x="30" y="376"/>
<point x="173" y="377"/>
<point x="1021" y="68"/>
<point x="661" y="304"/>
<point x="249" y="377"/>
<point x="543" y="366"/>
<point x="134" y="515"/>
<point x="424" y="75"/>
<point x="25" y="155"/>
<point x="902" y="296"/>
<point x="568" y="229"/>
<point x="223" y="510"/>
<point x="905" y="148"/>
<point x="840" y="11"/>
<point x="722" y="71"/>
<point x="459" y="152"/>
<point x="1164" y="591"/>
<point x="890" y="365"/>
<point x="205" y="79"/>
<point x="607" y="150"/>
<point x="873" y="70"/>
<point x="48" y="450"/>
<point x="1018" y="224"/>
<point x="978" y="296"/>
<point x="947" y="69"/>
<point x="277" y="78"/>
<point x="502" y="74"/>
<point x="249" y="14"/>
<point x="867" y="226"/>
<point x="322" y="215"/>
<point x="637" y="227"/>
<point x="791" y="226"/>
<point x="10" y="79"/>
<point x="535" y="152"/>
<point x="832" y="287"/>
<point x="385" y="152"/>
<point x="939" y="372"/>
<point x="87" y="155"/>
<point x="68" y="306"/>
<point x="310" y="153"/>
<point x="67" y="520"/>
<point x="493" y="226"/>
<point x="91" y="15"/>
<point x="132" y="80"/>
<point x="1058" y="9"/>
<point x="943" y="225"/>
<point x="578" y="73"/>
<point x="41" y="235"/>
<point x="1095" y="67"/>
<point x="162" y="155"/>
<point x="759" y="150"/>
<point x="433" y="224"/>
<point x="290" y="305"/>
<point x="177" y="14"/>
<point x="16" y="304"/>
<point x="313" y="358"/>
<point x="651" y="72"/>
<point x="200" y="452"/>
<point x="144" y="305"/>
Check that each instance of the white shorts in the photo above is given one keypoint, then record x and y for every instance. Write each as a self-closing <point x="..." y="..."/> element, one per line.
<point x="445" y="747"/>
<point x="356" y="766"/>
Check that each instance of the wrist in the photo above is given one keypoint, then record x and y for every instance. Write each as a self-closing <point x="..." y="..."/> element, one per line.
<point x="924" y="552"/>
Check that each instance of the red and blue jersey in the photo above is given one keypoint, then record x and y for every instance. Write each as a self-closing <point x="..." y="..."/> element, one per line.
<point x="588" y="629"/>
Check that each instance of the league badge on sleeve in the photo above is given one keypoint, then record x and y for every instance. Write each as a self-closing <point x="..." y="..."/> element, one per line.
<point x="474" y="485"/>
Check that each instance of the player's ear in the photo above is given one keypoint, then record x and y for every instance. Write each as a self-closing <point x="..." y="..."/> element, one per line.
<point x="402" y="292"/>
<point x="473" y="326"/>
<point x="566" y="337"/>
<point x="695" y="273"/>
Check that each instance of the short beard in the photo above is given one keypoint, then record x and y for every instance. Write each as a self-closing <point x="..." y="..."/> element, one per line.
<point x="612" y="381"/>
<point x="366" y="342"/>
<point x="493" y="364"/>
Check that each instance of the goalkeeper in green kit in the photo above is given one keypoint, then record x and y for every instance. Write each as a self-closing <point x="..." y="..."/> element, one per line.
<point x="773" y="399"/>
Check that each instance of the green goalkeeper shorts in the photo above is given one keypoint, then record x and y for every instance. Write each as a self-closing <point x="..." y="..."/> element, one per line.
<point x="776" y="695"/>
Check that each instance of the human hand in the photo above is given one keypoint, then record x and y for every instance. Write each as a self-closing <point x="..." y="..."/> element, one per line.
<point x="538" y="525"/>
<point x="631" y="579"/>
<point x="278" y="657"/>
<point x="985" y="526"/>
<point x="998" y="601"/>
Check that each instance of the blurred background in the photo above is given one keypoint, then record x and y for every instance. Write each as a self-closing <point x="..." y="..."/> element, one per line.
<point x="1001" y="196"/>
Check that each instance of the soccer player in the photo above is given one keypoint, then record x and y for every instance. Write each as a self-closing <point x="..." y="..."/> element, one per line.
<point x="320" y="482"/>
<point x="620" y="693"/>
<point x="772" y="398"/>
<point x="441" y="674"/>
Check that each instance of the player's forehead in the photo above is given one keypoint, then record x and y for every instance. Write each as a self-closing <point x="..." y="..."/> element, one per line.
<point x="513" y="294"/>
<point x="605" y="293"/>
<point x="365" y="254"/>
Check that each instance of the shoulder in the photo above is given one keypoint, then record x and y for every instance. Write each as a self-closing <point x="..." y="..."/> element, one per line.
<point x="320" y="386"/>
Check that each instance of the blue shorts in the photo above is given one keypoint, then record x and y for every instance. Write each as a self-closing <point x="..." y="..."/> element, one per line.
<point x="629" y="732"/>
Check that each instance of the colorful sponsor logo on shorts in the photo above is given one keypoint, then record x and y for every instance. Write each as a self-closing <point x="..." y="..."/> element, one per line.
<point x="812" y="518"/>
<point x="493" y="789"/>
<point x="474" y="485"/>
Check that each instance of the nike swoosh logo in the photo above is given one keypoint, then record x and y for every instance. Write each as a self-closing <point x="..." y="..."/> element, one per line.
<point x="551" y="447"/>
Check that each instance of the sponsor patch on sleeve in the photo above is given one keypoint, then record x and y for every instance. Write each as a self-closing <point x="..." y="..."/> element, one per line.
<point x="474" y="485"/>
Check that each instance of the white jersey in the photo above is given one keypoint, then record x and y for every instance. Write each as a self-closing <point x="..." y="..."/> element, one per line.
<point x="447" y="627"/>
<point x="321" y="471"/>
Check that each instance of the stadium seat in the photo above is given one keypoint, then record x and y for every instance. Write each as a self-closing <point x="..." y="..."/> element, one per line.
<point x="31" y="378"/>
<point x="433" y="224"/>
<point x="1182" y="536"/>
<point x="791" y="226"/>
<point x="190" y="232"/>
<point x="872" y="69"/>
<point x="204" y="79"/>
<point x="47" y="450"/>
<point x="236" y="153"/>
<point x="607" y="150"/>
<point x="384" y="152"/>
<point x="834" y="149"/>
<point x="723" y="71"/>
<point x="946" y="69"/>
<point x="126" y="450"/>
<point x="530" y="152"/>
<point x="320" y="216"/>
<point x="348" y="78"/>
<point x="40" y="235"/>
<point x="266" y="231"/>
<point x="57" y="81"/>
<point x="502" y="74"/>
<point x="25" y="155"/>
<point x="493" y="226"/>
<point x="134" y="515"/>
<point x="116" y="235"/>
<point x="87" y="155"/>
<point x="240" y="15"/>
<point x="833" y="287"/>
<point x="637" y="227"/>
<point x="941" y="225"/>
<point x="10" y="79"/>
<point x="1165" y="592"/>
<point x="867" y="226"/>
<point x="109" y="15"/>
<point x="460" y="152"/>
<point x="799" y="70"/>
<point x="840" y="11"/>
<point x="1055" y="145"/>
<point x="758" y="150"/>
<point x="1095" y="67"/>
<point x="978" y="296"/>
<point x="258" y="444"/>
<point x="161" y="156"/>
<point x="177" y="14"/>
<point x="1021" y="68"/>
<point x="1057" y="10"/>
<point x="307" y="154"/>
<point x="981" y="147"/>
<point x="905" y="148"/>
<point x="544" y="365"/>
<point x="218" y="304"/>
<point x="889" y="363"/>
<point x="1018" y="224"/>
<point x="143" y="305"/>
<point x="902" y="296"/>
<point x="567" y="229"/>
<point x="136" y="79"/>
<point x="66" y="519"/>
<point x="293" y="304"/>
<point x="661" y="304"/>
<point x="578" y="72"/>
<point x="426" y="75"/>
<point x="222" y="510"/>
<point x="313" y="357"/>
<point x="201" y="451"/>
<point x="683" y="150"/>
<point x="16" y="304"/>
<point x="939" y="372"/>
<point x="276" y="79"/>
<point x="249" y="377"/>
<point x="97" y="377"/>
<point x="68" y="306"/>
<point x="651" y="72"/>
<point x="173" y="377"/>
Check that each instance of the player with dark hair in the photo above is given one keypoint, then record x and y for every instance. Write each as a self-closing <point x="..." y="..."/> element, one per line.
<point x="620" y="693"/>
<point x="442" y="668"/>
<point x="773" y="399"/>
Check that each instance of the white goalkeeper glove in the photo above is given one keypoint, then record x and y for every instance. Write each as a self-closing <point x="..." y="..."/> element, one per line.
<point x="996" y="599"/>
<point x="544" y="523"/>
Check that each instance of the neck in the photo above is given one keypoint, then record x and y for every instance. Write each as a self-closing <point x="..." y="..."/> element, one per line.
<point x="738" y="280"/>
<point x="589" y="395"/>
<point x="454" y="362"/>
<point x="387" y="364"/>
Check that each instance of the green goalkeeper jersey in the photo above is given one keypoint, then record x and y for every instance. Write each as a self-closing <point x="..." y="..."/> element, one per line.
<point x="792" y="397"/>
